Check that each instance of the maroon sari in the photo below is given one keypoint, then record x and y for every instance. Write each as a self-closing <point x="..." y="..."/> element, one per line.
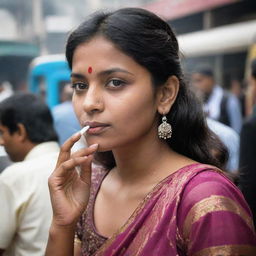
<point x="195" y="211"/>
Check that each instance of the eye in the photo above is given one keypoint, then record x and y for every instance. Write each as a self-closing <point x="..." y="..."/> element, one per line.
<point x="79" y="86"/>
<point x="115" y="83"/>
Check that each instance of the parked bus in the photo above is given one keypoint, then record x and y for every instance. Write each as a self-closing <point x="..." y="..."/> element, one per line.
<point x="47" y="76"/>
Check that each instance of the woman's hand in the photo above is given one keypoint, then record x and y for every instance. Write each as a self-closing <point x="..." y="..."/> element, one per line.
<point x="70" y="190"/>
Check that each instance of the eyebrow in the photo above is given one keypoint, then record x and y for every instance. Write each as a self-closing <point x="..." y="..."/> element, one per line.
<point x="102" y="73"/>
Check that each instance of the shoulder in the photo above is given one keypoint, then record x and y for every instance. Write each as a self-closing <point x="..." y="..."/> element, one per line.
<point x="11" y="181"/>
<point x="209" y="183"/>
<point x="37" y="168"/>
<point x="12" y="171"/>
<point x="210" y="207"/>
<point x="198" y="181"/>
<point x="210" y="191"/>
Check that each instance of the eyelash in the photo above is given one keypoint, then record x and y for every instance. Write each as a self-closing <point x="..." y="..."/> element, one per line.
<point x="121" y="83"/>
<point x="76" y="85"/>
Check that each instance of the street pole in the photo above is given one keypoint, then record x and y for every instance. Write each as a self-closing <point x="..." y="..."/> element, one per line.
<point x="38" y="24"/>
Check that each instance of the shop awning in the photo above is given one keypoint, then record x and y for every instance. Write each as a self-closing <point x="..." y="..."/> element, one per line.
<point x="13" y="48"/>
<point x="226" y="39"/>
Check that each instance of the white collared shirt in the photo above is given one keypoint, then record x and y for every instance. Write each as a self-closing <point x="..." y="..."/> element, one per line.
<point x="26" y="212"/>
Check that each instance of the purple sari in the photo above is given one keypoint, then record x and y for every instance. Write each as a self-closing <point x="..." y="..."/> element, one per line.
<point x="195" y="211"/>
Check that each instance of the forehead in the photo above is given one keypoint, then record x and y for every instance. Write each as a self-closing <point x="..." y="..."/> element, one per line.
<point x="101" y="53"/>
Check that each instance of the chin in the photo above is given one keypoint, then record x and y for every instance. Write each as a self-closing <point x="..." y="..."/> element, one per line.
<point x="103" y="146"/>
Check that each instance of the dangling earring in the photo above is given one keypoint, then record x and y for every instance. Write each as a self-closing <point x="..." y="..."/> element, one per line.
<point x="164" y="129"/>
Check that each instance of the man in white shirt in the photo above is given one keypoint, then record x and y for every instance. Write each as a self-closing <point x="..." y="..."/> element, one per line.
<point x="231" y="139"/>
<point x="28" y="136"/>
<point x="4" y="159"/>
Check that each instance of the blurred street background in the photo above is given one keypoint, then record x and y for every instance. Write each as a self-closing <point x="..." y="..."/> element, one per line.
<point x="219" y="33"/>
<point x="217" y="40"/>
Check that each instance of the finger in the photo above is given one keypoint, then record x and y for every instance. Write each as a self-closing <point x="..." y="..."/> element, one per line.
<point x="86" y="151"/>
<point x="66" y="147"/>
<point x="68" y="166"/>
<point x="86" y="170"/>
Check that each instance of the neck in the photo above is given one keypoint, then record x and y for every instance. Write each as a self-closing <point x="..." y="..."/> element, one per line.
<point x="141" y="159"/>
<point x="27" y="147"/>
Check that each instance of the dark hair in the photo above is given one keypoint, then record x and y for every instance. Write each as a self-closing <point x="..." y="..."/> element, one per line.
<point x="29" y="110"/>
<point x="151" y="42"/>
<point x="253" y="68"/>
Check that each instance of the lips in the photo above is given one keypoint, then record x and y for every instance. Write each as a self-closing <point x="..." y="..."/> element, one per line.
<point x="96" y="127"/>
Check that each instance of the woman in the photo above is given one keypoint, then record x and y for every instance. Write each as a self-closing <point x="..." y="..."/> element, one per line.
<point x="150" y="194"/>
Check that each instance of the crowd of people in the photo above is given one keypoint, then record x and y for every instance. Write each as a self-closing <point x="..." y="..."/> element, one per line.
<point x="170" y="167"/>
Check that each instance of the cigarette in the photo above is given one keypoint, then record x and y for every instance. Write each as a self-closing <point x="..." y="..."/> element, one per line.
<point x="84" y="130"/>
<point x="81" y="143"/>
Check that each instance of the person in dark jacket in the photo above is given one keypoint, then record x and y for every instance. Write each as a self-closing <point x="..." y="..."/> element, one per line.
<point x="247" y="162"/>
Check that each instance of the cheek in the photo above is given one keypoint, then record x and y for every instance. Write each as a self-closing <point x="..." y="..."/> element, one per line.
<point x="133" y="113"/>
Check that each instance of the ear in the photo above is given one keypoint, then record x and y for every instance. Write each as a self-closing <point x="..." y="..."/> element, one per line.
<point x="167" y="94"/>
<point x="21" y="132"/>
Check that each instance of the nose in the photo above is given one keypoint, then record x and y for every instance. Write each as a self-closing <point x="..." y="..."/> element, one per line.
<point x="93" y="101"/>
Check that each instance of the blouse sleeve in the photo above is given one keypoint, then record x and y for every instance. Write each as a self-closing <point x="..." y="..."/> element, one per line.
<point x="214" y="219"/>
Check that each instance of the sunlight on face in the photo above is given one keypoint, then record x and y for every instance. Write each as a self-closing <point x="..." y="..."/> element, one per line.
<point x="116" y="98"/>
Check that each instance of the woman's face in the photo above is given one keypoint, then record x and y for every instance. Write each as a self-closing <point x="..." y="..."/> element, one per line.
<point x="113" y="94"/>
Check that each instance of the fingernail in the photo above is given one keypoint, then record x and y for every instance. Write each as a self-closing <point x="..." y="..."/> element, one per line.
<point x="94" y="146"/>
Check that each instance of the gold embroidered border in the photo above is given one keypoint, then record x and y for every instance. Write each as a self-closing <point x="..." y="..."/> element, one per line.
<point x="213" y="204"/>
<point x="77" y="240"/>
<point x="228" y="250"/>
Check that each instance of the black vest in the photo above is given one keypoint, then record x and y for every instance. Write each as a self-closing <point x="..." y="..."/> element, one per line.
<point x="224" y="116"/>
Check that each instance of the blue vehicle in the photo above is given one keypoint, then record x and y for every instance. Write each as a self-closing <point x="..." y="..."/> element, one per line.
<point x="47" y="76"/>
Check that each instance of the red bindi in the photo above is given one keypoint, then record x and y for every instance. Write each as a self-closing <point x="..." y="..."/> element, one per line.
<point x="90" y="70"/>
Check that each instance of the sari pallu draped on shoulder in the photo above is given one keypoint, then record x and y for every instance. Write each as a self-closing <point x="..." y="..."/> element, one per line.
<point x="195" y="211"/>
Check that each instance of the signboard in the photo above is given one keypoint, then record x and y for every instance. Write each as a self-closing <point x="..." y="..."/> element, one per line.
<point x="172" y="9"/>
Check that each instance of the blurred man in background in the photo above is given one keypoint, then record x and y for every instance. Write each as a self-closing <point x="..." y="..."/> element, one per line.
<point x="247" y="162"/>
<point x="5" y="92"/>
<point x="4" y="159"/>
<point x="218" y="104"/>
<point x="228" y="136"/>
<point x="231" y="139"/>
<point x="65" y="121"/>
<point x="29" y="138"/>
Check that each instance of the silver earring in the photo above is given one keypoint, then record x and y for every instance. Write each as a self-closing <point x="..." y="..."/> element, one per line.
<point x="164" y="129"/>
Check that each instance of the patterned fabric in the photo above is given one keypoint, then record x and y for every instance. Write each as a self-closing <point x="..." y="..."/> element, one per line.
<point x="86" y="232"/>
<point x="195" y="211"/>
